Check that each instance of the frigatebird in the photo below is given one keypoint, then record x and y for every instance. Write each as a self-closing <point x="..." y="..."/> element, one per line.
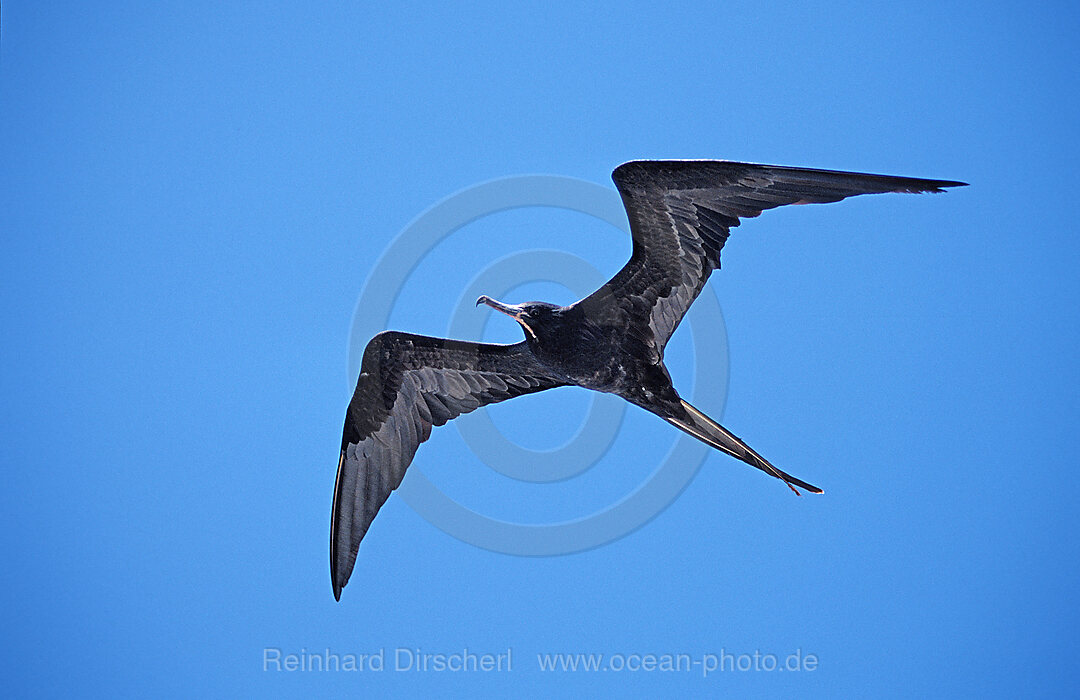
<point x="680" y="213"/>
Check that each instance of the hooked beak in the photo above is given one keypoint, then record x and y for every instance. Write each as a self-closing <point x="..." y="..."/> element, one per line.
<point x="512" y="310"/>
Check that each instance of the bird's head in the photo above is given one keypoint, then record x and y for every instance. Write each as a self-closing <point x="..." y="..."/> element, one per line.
<point x="534" y="316"/>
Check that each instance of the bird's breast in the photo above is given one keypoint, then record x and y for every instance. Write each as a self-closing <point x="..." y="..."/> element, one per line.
<point x="600" y="361"/>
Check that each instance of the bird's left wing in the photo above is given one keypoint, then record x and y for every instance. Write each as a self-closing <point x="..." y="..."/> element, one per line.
<point x="409" y="383"/>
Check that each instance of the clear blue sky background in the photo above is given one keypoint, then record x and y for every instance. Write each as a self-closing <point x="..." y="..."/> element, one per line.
<point x="192" y="195"/>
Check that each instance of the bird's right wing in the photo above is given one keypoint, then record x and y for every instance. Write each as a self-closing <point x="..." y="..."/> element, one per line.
<point x="681" y="212"/>
<point x="409" y="383"/>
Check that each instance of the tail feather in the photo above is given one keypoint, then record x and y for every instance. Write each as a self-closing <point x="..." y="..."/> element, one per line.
<point x="712" y="433"/>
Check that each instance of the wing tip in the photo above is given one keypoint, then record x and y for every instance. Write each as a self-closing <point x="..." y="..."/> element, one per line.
<point x="334" y="580"/>
<point x="634" y="170"/>
<point x="932" y="186"/>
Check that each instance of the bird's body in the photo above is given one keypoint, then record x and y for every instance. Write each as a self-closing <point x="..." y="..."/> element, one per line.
<point x="577" y="350"/>
<point x="681" y="213"/>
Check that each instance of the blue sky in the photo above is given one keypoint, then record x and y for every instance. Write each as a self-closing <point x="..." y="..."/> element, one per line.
<point x="193" y="195"/>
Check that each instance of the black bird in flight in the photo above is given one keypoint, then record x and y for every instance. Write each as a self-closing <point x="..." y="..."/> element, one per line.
<point x="681" y="213"/>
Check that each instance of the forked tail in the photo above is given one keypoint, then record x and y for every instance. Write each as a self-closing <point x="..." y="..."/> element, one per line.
<point x="712" y="433"/>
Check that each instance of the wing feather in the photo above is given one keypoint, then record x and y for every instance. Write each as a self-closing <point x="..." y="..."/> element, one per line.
<point x="408" y="384"/>
<point x="681" y="213"/>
